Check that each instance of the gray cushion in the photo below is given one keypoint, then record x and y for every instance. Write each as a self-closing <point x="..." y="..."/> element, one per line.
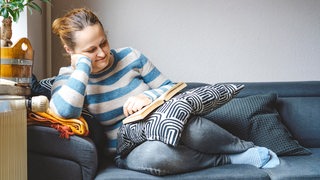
<point x="255" y="118"/>
<point x="301" y="116"/>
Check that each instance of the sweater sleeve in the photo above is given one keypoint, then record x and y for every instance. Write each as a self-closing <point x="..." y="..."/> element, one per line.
<point x="69" y="89"/>
<point x="151" y="75"/>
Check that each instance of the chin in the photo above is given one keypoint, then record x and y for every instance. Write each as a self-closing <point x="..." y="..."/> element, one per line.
<point x="100" y="69"/>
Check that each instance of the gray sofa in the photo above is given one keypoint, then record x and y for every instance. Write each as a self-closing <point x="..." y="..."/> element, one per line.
<point x="284" y="116"/>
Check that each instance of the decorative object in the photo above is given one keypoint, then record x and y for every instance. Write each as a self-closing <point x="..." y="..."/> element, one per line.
<point x="16" y="64"/>
<point x="10" y="10"/>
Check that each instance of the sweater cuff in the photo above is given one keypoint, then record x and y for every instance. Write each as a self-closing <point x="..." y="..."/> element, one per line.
<point x="84" y="64"/>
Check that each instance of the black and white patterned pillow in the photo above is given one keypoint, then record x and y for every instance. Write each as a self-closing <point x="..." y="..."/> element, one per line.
<point x="42" y="87"/>
<point x="167" y="122"/>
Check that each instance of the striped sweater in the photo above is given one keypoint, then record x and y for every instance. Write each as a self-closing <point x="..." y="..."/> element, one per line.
<point x="105" y="93"/>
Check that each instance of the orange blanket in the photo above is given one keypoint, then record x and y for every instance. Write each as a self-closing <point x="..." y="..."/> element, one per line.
<point x="66" y="127"/>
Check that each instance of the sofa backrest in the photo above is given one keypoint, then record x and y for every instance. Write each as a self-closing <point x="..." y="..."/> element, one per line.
<point x="298" y="105"/>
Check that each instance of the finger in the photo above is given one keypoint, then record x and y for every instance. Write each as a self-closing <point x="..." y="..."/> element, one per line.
<point x="125" y="112"/>
<point x="127" y="107"/>
<point x="130" y="108"/>
<point x="137" y="107"/>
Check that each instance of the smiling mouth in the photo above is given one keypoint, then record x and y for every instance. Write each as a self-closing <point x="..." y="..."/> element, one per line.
<point x="103" y="59"/>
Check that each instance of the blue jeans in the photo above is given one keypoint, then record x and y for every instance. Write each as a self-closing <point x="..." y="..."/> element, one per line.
<point x="203" y="144"/>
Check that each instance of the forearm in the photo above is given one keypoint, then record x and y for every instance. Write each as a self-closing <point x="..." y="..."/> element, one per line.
<point x="155" y="93"/>
<point x="69" y="90"/>
<point x="157" y="82"/>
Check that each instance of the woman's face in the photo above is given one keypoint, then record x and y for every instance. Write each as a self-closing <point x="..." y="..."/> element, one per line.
<point x="92" y="42"/>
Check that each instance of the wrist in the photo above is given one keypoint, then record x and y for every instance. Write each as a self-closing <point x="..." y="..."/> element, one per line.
<point x="84" y="64"/>
<point x="148" y="96"/>
<point x="83" y="59"/>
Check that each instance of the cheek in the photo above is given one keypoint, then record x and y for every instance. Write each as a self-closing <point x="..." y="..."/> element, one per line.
<point x="106" y="50"/>
<point x="89" y="55"/>
<point x="92" y="57"/>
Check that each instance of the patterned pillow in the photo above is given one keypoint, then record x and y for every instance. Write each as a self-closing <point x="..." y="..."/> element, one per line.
<point x="42" y="87"/>
<point x="167" y="122"/>
<point x="255" y="118"/>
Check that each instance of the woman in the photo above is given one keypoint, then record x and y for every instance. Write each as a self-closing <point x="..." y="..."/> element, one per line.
<point x="114" y="83"/>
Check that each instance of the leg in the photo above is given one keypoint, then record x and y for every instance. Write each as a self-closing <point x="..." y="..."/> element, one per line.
<point x="157" y="158"/>
<point x="205" y="136"/>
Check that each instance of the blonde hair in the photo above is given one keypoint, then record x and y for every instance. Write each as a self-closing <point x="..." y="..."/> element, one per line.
<point x="75" y="20"/>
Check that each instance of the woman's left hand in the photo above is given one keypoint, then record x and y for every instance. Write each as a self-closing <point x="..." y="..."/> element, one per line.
<point x="135" y="103"/>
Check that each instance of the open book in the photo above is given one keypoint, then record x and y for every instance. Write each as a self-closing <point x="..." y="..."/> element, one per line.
<point x="156" y="103"/>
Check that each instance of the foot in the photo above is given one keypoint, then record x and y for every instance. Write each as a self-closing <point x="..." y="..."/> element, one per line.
<point x="256" y="156"/>
<point x="273" y="162"/>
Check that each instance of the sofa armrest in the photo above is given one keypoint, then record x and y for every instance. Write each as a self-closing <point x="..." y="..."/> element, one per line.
<point x="52" y="157"/>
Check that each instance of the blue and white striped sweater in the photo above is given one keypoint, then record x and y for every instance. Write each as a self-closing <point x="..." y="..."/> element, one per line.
<point x="105" y="93"/>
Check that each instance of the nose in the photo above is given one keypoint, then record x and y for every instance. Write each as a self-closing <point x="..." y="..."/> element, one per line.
<point x="100" y="52"/>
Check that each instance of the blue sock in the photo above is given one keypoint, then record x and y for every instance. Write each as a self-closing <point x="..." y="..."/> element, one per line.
<point x="273" y="162"/>
<point x="256" y="156"/>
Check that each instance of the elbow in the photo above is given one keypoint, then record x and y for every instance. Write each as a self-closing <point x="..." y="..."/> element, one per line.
<point x="65" y="110"/>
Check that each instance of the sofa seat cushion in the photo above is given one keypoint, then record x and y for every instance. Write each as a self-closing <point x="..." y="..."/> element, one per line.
<point x="230" y="171"/>
<point x="39" y="163"/>
<point x="291" y="167"/>
<point x="47" y="148"/>
<point x="297" y="167"/>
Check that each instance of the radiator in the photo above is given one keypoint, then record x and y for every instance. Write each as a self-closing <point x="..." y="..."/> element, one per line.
<point x="13" y="138"/>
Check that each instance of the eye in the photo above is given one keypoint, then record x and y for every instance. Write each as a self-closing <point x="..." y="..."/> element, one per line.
<point x="91" y="50"/>
<point x="103" y="44"/>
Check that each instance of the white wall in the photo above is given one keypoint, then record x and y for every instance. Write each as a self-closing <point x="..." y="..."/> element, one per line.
<point x="213" y="40"/>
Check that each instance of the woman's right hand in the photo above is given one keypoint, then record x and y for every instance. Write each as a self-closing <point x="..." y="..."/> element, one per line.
<point x="75" y="58"/>
<point x="135" y="103"/>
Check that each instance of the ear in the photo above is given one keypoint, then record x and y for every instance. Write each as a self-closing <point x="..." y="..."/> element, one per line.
<point x="68" y="50"/>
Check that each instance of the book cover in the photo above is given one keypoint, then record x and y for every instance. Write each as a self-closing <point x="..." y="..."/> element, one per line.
<point x="145" y="111"/>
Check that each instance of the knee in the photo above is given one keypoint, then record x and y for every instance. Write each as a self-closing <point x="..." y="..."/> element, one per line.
<point x="151" y="157"/>
<point x="196" y="130"/>
<point x="153" y="153"/>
